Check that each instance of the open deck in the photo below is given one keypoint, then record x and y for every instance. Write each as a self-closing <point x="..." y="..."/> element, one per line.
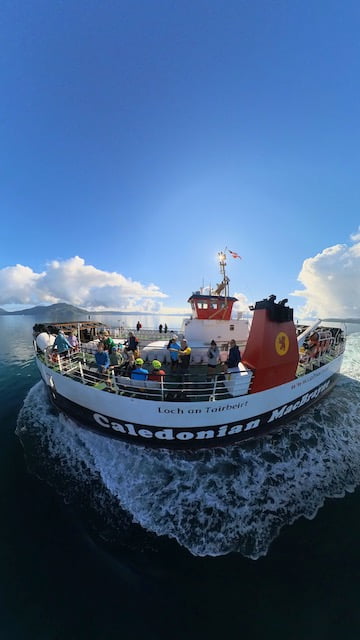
<point x="195" y="385"/>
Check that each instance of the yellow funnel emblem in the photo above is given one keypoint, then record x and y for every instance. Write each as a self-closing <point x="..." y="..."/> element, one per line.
<point x="282" y="343"/>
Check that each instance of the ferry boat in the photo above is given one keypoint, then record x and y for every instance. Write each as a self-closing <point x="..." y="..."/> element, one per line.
<point x="284" y="369"/>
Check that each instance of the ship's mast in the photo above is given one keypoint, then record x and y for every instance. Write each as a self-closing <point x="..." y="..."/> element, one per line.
<point x="224" y="285"/>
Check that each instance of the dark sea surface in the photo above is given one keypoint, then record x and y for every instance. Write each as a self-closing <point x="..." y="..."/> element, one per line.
<point x="103" y="540"/>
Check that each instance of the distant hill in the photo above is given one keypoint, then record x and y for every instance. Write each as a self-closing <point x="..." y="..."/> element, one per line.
<point x="54" y="312"/>
<point x="63" y="312"/>
<point x="349" y="320"/>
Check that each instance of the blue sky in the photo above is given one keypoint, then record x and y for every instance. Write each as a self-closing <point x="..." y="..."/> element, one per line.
<point x="145" y="136"/>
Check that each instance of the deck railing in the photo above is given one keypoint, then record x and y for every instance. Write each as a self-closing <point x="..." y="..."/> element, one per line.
<point x="189" y="387"/>
<point x="328" y="348"/>
<point x="177" y="387"/>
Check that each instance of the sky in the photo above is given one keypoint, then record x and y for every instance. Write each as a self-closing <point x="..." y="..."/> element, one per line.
<point x="140" y="138"/>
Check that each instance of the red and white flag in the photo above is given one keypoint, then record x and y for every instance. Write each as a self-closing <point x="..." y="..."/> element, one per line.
<point x="234" y="254"/>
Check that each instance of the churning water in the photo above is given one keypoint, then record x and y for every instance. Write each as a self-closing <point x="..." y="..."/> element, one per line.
<point x="213" y="502"/>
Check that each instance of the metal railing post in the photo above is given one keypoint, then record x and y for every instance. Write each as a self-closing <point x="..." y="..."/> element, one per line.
<point x="112" y="374"/>
<point x="81" y="372"/>
<point x="214" y="387"/>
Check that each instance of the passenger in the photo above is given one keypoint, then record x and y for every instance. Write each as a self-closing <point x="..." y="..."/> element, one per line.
<point x="116" y="359"/>
<point x="61" y="344"/>
<point x="213" y="357"/>
<point x="72" y="338"/>
<point x="108" y="342"/>
<point x="132" y="343"/>
<point x="185" y="355"/>
<point x="174" y="349"/>
<point x="234" y="357"/>
<point x="172" y="337"/>
<point x="101" y="337"/>
<point x="160" y="328"/>
<point x="312" y="347"/>
<point x="157" y="373"/>
<point x="138" y="325"/>
<point x="139" y="373"/>
<point x="102" y="359"/>
<point x="165" y="328"/>
<point x="129" y="366"/>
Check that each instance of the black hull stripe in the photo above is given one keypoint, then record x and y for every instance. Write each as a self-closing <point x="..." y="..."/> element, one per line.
<point x="193" y="438"/>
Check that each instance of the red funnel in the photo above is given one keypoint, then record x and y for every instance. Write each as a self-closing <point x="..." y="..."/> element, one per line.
<point x="272" y="349"/>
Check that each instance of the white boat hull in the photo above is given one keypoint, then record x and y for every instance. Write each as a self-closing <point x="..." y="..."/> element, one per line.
<point x="187" y="425"/>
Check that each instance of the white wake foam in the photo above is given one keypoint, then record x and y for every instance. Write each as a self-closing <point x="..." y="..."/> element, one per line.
<point x="217" y="501"/>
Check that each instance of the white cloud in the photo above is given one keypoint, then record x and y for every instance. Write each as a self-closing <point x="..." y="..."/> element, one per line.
<point x="355" y="237"/>
<point x="242" y="304"/>
<point x="331" y="281"/>
<point x="19" y="284"/>
<point x="77" y="283"/>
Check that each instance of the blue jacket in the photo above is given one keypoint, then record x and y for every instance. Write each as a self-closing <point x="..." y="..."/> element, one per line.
<point x="139" y="374"/>
<point x="102" y="360"/>
<point x="62" y="343"/>
<point x="174" y="348"/>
